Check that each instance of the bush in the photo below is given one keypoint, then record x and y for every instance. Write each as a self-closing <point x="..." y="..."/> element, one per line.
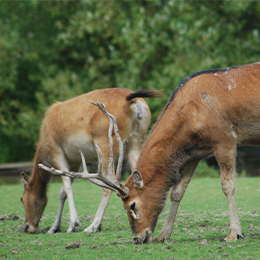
<point x="204" y="170"/>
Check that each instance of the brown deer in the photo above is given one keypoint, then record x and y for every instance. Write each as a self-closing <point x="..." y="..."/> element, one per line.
<point x="76" y="125"/>
<point x="210" y="113"/>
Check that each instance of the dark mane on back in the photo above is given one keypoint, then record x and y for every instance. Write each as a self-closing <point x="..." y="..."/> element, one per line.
<point x="198" y="73"/>
<point x="185" y="80"/>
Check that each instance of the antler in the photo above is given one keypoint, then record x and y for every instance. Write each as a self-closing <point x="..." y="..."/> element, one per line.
<point x="98" y="178"/>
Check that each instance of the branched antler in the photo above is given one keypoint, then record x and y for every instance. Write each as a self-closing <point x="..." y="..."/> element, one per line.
<point x="98" y="178"/>
<point x="113" y="123"/>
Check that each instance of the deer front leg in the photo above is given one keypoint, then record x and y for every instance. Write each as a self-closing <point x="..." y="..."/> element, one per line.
<point x="177" y="194"/>
<point x="226" y="161"/>
<point x="97" y="222"/>
<point x="66" y="191"/>
<point x="56" y="227"/>
<point x="74" y="221"/>
<point x="106" y="193"/>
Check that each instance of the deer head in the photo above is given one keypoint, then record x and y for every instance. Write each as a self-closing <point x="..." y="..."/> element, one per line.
<point x="34" y="204"/>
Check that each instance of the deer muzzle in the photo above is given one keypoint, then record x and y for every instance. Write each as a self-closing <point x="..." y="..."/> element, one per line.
<point x="144" y="238"/>
<point x="28" y="228"/>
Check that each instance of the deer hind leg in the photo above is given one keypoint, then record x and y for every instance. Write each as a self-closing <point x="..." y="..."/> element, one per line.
<point x="97" y="222"/>
<point x="177" y="194"/>
<point x="134" y="142"/>
<point x="226" y="160"/>
<point x="132" y="149"/>
<point x="65" y="192"/>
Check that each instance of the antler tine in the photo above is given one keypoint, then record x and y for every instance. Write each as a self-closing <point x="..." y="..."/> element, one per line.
<point x="121" y="152"/>
<point x="113" y="123"/>
<point x="96" y="178"/>
<point x="84" y="164"/>
<point x="74" y="175"/>
<point x="99" y="160"/>
<point x="111" y="151"/>
<point x="92" y="177"/>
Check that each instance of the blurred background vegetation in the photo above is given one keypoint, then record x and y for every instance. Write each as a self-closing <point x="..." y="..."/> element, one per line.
<point x="55" y="50"/>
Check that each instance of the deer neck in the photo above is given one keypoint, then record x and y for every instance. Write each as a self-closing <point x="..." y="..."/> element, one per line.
<point x="165" y="152"/>
<point x="39" y="179"/>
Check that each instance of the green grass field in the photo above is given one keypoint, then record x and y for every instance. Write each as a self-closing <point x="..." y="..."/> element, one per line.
<point x="201" y="224"/>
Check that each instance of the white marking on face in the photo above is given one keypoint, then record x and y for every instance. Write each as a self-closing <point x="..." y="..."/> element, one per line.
<point x="134" y="208"/>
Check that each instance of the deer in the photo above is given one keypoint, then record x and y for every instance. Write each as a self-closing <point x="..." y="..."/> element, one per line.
<point x="75" y="125"/>
<point x="210" y="113"/>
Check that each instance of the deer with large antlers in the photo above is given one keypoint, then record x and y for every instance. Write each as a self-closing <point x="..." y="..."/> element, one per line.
<point x="210" y="113"/>
<point x="76" y="125"/>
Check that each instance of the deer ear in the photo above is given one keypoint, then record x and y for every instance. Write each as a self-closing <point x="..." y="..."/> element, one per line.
<point x="24" y="179"/>
<point x="138" y="179"/>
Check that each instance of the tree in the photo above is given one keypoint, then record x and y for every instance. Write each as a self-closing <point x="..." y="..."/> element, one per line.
<point x="56" y="50"/>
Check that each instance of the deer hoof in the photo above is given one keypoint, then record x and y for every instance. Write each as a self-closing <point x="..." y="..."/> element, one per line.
<point x="159" y="240"/>
<point x="233" y="236"/>
<point x="240" y="236"/>
<point x="54" y="230"/>
<point x="93" y="229"/>
<point x="74" y="227"/>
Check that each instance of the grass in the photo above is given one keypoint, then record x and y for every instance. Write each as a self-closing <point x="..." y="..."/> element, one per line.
<point x="201" y="224"/>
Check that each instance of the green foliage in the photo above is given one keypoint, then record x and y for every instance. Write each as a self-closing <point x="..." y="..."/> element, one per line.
<point x="15" y="148"/>
<point x="55" y="50"/>
<point x="204" y="170"/>
<point x="200" y="226"/>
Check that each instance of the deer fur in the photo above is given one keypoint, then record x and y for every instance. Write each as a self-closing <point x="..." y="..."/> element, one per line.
<point x="76" y="125"/>
<point x="210" y="113"/>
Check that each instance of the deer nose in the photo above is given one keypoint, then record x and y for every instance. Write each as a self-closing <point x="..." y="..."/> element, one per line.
<point x="26" y="227"/>
<point x="136" y="240"/>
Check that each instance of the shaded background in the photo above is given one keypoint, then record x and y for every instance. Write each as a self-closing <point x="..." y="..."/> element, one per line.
<point x="55" y="50"/>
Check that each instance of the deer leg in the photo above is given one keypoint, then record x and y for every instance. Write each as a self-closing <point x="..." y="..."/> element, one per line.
<point x="74" y="221"/>
<point x="65" y="192"/>
<point x="226" y="161"/>
<point x="97" y="222"/>
<point x="177" y="194"/>
<point x="134" y="142"/>
<point x="56" y="227"/>
<point x="133" y="152"/>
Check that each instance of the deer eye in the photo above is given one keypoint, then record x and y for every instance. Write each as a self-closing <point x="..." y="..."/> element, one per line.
<point x="21" y="199"/>
<point x="132" y="207"/>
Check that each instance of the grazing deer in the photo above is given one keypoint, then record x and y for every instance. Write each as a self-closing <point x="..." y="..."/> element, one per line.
<point x="210" y="113"/>
<point x="76" y="125"/>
